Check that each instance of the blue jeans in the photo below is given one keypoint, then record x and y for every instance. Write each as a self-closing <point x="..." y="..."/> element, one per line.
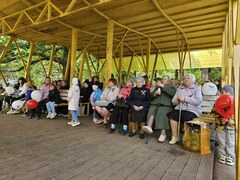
<point x="74" y="116"/>
<point x="51" y="107"/>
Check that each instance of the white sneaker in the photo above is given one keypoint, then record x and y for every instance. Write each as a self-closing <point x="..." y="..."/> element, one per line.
<point x="49" y="115"/>
<point x="11" y="111"/>
<point x="95" y="120"/>
<point x="162" y="138"/>
<point x="53" y="115"/>
<point x="75" y="124"/>
<point x="70" y="123"/>
<point x="147" y="129"/>
<point x="222" y="159"/>
<point x="230" y="161"/>
<point x="173" y="140"/>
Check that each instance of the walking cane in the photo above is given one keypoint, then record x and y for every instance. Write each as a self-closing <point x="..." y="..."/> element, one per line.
<point x="179" y="121"/>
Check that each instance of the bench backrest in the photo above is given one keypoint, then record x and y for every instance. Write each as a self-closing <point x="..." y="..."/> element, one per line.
<point x="208" y="103"/>
<point x="63" y="94"/>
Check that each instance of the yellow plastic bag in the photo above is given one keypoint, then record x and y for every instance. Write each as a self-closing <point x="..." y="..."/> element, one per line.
<point x="196" y="137"/>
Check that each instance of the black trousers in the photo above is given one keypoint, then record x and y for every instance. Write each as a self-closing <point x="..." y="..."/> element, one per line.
<point x="1" y="103"/>
<point x="38" y="110"/>
<point x="120" y="114"/>
<point x="10" y="99"/>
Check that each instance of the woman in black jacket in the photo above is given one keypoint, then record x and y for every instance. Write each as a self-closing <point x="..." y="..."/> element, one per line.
<point x="53" y="99"/>
<point x="139" y="102"/>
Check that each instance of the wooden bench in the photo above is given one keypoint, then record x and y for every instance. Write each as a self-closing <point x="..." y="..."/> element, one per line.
<point x="207" y="106"/>
<point x="64" y="96"/>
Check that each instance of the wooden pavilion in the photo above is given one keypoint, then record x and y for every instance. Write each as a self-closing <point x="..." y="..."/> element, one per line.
<point x="113" y="29"/>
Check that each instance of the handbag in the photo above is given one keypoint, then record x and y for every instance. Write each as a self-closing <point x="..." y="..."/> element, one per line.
<point x="121" y="103"/>
<point x="102" y="103"/>
<point x="196" y="137"/>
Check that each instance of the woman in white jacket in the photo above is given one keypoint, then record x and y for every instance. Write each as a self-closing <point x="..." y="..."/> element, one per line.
<point x="109" y="94"/>
<point x="73" y="102"/>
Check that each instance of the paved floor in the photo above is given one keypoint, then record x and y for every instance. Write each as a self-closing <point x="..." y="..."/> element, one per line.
<point x="51" y="149"/>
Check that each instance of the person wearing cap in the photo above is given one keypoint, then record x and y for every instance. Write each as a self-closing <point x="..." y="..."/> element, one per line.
<point x="73" y="102"/>
<point x="139" y="102"/>
<point x="96" y="94"/>
<point x="53" y="99"/>
<point x="161" y="105"/>
<point x="31" y="87"/>
<point x="188" y="101"/>
<point x="225" y="131"/>
<point x="121" y="109"/>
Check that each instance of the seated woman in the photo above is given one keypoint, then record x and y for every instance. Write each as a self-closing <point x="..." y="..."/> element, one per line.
<point x="188" y="99"/>
<point x="120" y="111"/>
<point x="21" y="89"/>
<point x="161" y="105"/>
<point x="109" y="94"/>
<point x="139" y="102"/>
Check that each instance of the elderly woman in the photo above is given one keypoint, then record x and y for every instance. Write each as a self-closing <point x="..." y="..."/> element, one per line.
<point x="188" y="99"/>
<point x="161" y="105"/>
<point x="138" y="101"/>
<point x="109" y="94"/>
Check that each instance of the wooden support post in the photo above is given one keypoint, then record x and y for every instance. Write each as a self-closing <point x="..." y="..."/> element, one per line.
<point x="120" y="64"/>
<point x="230" y="30"/>
<point x="44" y="69"/>
<point x="223" y="58"/>
<point x="109" y="50"/>
<point x="98" y="56"/>
<point x="5" y="50"/>
<point x="148" y="55"/>
<point x="60" y="67"/>
<point x="80" y="74"/>
<point x="3" y="77"/>
<point x="51" y="61"/>
<point x="143" y="60"/>
<point x="154" y="68"/>
<point x="88" y="66"/>
<point x="237" y="31"/>
<point x="90" y="58"/>
<point x="27" y="73"/>
<point x="20" y="55"/>
<point x="73" y="54"/>
<point x="129" y="67"/>
<point x="68" y="64"/>
<point x="236" y="62"/>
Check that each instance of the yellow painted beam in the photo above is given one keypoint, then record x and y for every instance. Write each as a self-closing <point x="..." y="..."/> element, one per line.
<point x="230" y="26"/>
<point x="45" y="6"/>
<point x="143" y="60"/>
<point x="129" y="67"/>
<point x="236" y="62"/>
<point x="109" y="50"/>
<point x="3" y="77"/>
<point x="88" y="66"/>
<point x="68" y="64"/>
<point x="27" y="73"/>
<point x="237" y="38"/>
<point x="120" y="64"/>
<point x="20" y="55"/>
<point x="51" y="61"/>
<point x="40" y="60"/>
<point x="81" y="69"/>
<point x="90" y="58"/>
<point x="5" y="50"/>
<point x="73" y="54"/>
<point x="154" y="68"/>
<point x="148" y="55"/>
